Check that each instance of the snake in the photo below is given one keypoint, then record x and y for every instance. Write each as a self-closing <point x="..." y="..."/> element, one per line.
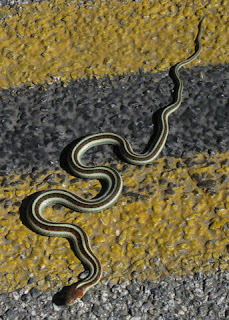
<point x="113" y="187"/>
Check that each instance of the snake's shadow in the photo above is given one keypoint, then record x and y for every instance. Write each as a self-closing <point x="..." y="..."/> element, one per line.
<point x="24" y="206"/>
<point x="157" y="126"/>
<point x="60" y="297"/>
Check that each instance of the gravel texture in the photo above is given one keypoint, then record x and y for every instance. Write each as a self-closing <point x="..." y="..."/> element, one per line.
<point x="188" y="297"/>
<point x="15" y="3"/>
<point x="39" y="122"/>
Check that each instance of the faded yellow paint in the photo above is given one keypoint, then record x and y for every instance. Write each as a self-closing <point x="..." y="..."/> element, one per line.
<point x="58" y="41"/>
<point x="162" y="233"/>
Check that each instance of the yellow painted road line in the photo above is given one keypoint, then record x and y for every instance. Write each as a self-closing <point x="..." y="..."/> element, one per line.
<point x="58" y="41"/>
<point x="172" y="218"/>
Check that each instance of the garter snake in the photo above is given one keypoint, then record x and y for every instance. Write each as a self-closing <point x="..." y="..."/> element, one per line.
<point x="112" y="191"/>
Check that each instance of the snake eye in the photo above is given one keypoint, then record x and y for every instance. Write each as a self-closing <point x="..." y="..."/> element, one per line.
<point x="73" y="294"/>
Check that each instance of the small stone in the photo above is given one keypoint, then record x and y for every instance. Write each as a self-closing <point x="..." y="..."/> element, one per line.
<point x="35" y="293"/>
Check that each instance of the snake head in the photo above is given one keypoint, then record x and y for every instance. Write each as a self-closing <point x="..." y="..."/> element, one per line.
<point x="74" y="292"/>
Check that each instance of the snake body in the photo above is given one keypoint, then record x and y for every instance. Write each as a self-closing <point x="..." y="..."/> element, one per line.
<point x="112" y="191"/>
